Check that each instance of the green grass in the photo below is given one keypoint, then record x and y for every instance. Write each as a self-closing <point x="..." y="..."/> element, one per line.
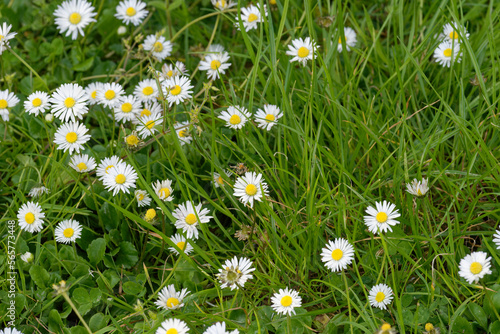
<point x="357" y="126"/>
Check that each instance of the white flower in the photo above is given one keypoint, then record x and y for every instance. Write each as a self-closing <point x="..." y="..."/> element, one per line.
<point x="215" y="48"/>
<point x="189" y="216"/>
<point x="131" y="11"/>
<point x="177" y="89"/>
<point x="250" y="16"/>
<point x="71" y="136"/>
<point x="301" y="50"/>
<point x="9" y="330"/>
<point x="68" y="231"/>
<point x="215" y="64"/>
<point x="445" y="52"/>
<point x="223" y="4"/>
<point x="417" y="188"/>
<point x="127" y="109"/>
<point x="350" y="39"/>
<point x="250" y="188"/>
<point x="38" y="191"/>
<point x="5" y="36"/>
<point x="110" y="94"/>
<point x="172" y="70"/>
<point x="163" y="190"/>
<point x="219" y="328"/>
<point x="49" y="118"/>
<point x="182" y="130"/>
<point x="27" y="257"/>
<point x="159" y="47"/>
<point x="170" y="299"/>
<point x="149" y="125"/>
<point x="146" y="90"/>
<point x="30" y="217"/>
<point x="7" y="100"/>
<point x="82" y="163"/>
<point x="122" y="30"/>
<point x="106" y="164"/>
<point x="74" y="16"/>
<point x="337" y="255"/>
<point x="173" y="326"/>
<point x="380" y="296"/>
<point x="37" y="102"/>
<point x="142" y="198"/>
<point x="382" y="218"/>
<point x="92" y="90"/>
<point x="181" y="243"/>
<point x="120" y="178"/>
<point x="474" y="266"/>
<point x="150" y="108"/>
<point x="235" y="117"/>
<point x="496" y="238"/>
<point x="285" y="301"/>
<point x="268" y="117"/>
<point x="235" y="273"/>
<point x="69" y="102"/>
<point x="218" y="181"/>
<point x="451" y="32"/>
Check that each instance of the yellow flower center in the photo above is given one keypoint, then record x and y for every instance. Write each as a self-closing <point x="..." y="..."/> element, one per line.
<point x="164" y="192"/>
<point x="380" y="296"/>
<point x="158" y="47"/>
<point x="75" y="18"/>
<point x="145" y="112"/>
<point x="150" y="214"/>
<point x="385" y="327"/>
<point x="419" y="192"/>
<point x="220" y="180"/>
<point x="447" y="52"/>
<point x="110" y="166"/>
<point x="94" y="94"/>
<point x="429" y="326"/>
<point x="286" y="301"/>
<point x="252" y="17"/>
<point x="476" y="268"/>
<point x="272" y="2"/>
<point x="181" y="244"/>
<point x="172" y="331"/>
<point x="81" y="166"/>
<point x="140" y="197"/>
<point x="132" y="140"/>
<point x="71" y="137"/>
<point x="127" y="107"/>
<point x="381" y="217"/>
<point x="130" y="11"/>
<point x="215" y="64"/>
<point x="110" y="94"/>
<point x="148" y="90"/>
<point x="337" y="254"/>
<point x="220" y="4"/>
<point x="251" y="189"/>
<point x="340" y="40"/>
<point x="120" y="179"/>
<point x="176" y="90"/>
<point x="170" y="73"/>
<point x="29" y="217"/>
<point x="69" y="102"/>
<point x="68" y="233"/>
<point x="235" y="119"/>
<point x="303" y="52"/>
<point x="191" y="219"/>
<point x="150" y="124"/>
<point x="183" y="133"/>
<point x="453" y="35"/>
<point x="3" y="104"/>
<point x="1" y="36"/>
<point x="37" y="102"/>
<point x="270" y="118"/>
<point x="172" y="302"/>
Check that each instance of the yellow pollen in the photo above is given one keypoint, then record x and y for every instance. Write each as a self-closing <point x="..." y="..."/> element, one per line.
<point x="110" y="94"/>
<point x="181" y="244"/>
<point x="286" y="301"/>
<point x="251" y="189"/>
<point x="176" y="90"/>
<point x="150" y="214"/>
<point x="303" y="52"/>
<point x="447" y="52"/>
<point x="183" y="133"/>
<point x="140" y="197"/>
<point x="158" y="47"/>
<point x="69" y="102"/>
<point x="172" y="331"/>
<point x="170" y="73"/>
<point x="235" y="119"/>
<point x="37" y="102"/>
<point x="127" y="107"/>
<point x="381" y="217"/>
<point x="75" y="18"/>
<point x="71" y="137"/>
<point x="30" y="218"/>
<point x="337" y="254"/>
<point x="220" y="180"/>
<point x="68" y="233"/>
<point x="385" y="327"/>
<point x="172" y="302"/>
<point x="453" y="35"/>
<point x="150" y="124"/>
<point x="148" y="90"/>
<point x="252" y="17"/>
<point x="120" y="179"/>
<point x="164" y="192"/>
<point x="94" y="94"/>
<point x="81" y="166"/>
<point x="215" y="64"/>
<point x="145" y="112"/>
<point x="191" y="219"/>
<point x="3" y="104"/>
<point x="130" y="11"/>
<point x="429" y="326"/>
<point x="476" y="268"/>
<point x="110" y="166"/>
<point x="132" y="140"/>
<point x="380" y="296"/>
<point x="270" y="118"/>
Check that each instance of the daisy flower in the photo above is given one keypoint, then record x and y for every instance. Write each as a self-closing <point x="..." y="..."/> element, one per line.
<point x="496" y="238"/>
<point x="268" y="117"/>
<point x="142" y="198"/>
<point x="82" y="163"/>
<point x="417" y="188"/>
<point x="150" y="108"/>
<point x="163" y="190"/>
<point x="131" y="11"/>
<point x="68" y="231"/>
<point x="380" y="296"/>
<point x="30" y="217"/>
<point x="235" y="117"/>
<point x="350" y="39"/>
<point x="301" y="50"/>
<point x="69" y="102"/>
<point x="127" y="109"/>
<point x="149" y="125"/>
<point x="172" y="70"/>
<point x="173" y="326"/>
<point x="235" y="273"/>
<point x="73" y="16"/>
<point x="9" y="330"/>
<point x="159" y="47"/>
<point x="215" y="64"/>
<point x="382" y="218"/>
<point x="38" y="191"/>
<point x="285" y="301"/>
<point x="37" y="103"/>
<point x="27" y="257"/>
<point x="445" y="52"/>
<point x="71" y="136"/>
<point x="177" y="90"/>
<point x="7" y="100"/>
<point x="5" y="36"/>
<point x="215" y="48"/>
<point x="451" y="32"/>
<point x="106" y="164"/>
<point x="120" y="178"/>
<point x="250" y="188"/>
<point x="219" y="328"/>
<point x="385" y="329"/>
<point x="218" y="181"/>
<point x="223" y="4"/>
<point x="110" y="94"/>
<point x="146" y="90"/>
<point x="182" y="130"/>
<point x="170" y="299"/>
<point x="91" y="91"/>
<point x="133" y="140"/>
<point x="150" y="215"/>
<point x="430" y="329"/>
<point x="474" y="266"/>
<point x="189" y="216"/>
<point x="250" y="16"/>
<point x="337" y="255"/>
<point x="182" y="243"/>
